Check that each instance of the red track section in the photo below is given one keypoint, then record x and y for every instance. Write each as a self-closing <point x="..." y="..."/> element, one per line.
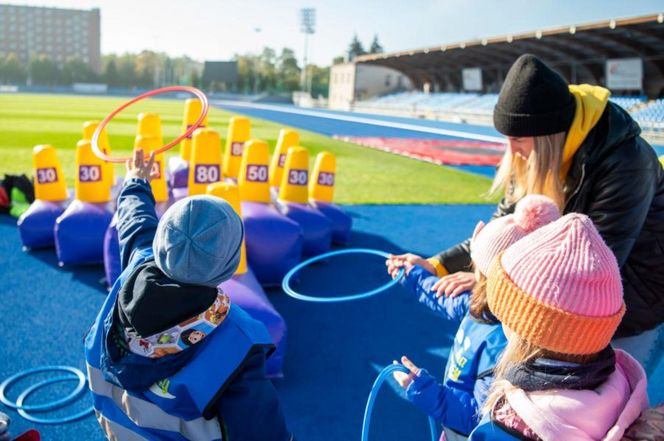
<point x="438" y="151"/>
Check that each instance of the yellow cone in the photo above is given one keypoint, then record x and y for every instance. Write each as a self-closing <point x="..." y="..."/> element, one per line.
<point x="238" y="133"/>
<point x="89" y="182"/>
<point x="149" y="126"/>
<point x="158" y="184"/>
<point x="661" y="160"/>
<point x="321" y="184"/>
<point x="89" y="128"/>
<point x="231" y="194"/>
<point x="205" y="163"/>
<point x="287" y="138"/>
<point x="295" y="179"/>
<point x="253" y="179"/>
<point x="50" y="182"/>
<point x="192" y="110"/>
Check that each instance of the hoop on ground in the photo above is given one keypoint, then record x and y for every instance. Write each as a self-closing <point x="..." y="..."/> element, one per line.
<point x="57" y="420"/>
<point x="285" y="284"/>
<point x="204" y="110"/>
<point x="78" y="375"/>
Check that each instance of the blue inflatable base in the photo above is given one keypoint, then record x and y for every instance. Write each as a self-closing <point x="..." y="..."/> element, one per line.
<point x="79" y="233"/>
<point x="245" y="292"/>
<point x="341" y="222"/>
<point x="274" y="242"/>
<point x="36" y="225"/>
<point x="316" y="228"/>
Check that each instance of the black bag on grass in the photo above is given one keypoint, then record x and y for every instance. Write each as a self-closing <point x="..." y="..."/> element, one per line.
<point x="16" y="194"/>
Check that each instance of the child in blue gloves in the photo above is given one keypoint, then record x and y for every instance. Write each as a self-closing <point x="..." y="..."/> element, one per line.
<point x="480" y="340"/>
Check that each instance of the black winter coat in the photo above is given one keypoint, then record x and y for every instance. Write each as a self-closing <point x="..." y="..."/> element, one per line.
<point x="616" y="180"/>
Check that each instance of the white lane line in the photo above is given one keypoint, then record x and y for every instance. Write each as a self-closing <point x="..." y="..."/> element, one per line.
<point x="362" y="120"/>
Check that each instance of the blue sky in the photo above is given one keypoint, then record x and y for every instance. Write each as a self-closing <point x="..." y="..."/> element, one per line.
<point x="216" y="29"/>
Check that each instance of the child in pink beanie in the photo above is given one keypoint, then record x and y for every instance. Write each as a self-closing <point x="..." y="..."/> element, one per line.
<point x="558" y="294"/>
<point x="479" y="340"/>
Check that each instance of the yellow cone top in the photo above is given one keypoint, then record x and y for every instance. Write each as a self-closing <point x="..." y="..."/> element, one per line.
<point x="149" y="126"/>
<point x="205" y="163"/>
<point x="231" y="194"/>
<point x="295" y="180"/>
<point x="238" y="133"/>
<point x="50" y="182"/>
<point x="89" y="128"/>
<point x="253" y="179"/>
<point x="158" y="184"/>
<point x="287" y="138"/>
<point x="192" y="110"/>
<point x="321" y="184"/>
<point x="89" y="182"/>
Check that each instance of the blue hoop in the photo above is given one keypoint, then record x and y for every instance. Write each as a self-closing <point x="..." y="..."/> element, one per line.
<point x="59" y="420"/>
<point x="44" y="406"/>
<point x="368" y="410"/>
<point x="285" y="284"/>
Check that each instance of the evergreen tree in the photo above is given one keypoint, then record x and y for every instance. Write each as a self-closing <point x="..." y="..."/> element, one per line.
<point x="375" y="48"/>
<point x="355" y="49"/>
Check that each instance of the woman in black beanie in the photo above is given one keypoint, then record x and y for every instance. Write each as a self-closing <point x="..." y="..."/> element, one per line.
<point x="570" y="143"/>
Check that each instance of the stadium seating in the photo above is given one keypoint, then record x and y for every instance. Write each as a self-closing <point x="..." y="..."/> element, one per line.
<point x="651" y="117"/>
<point x="649" y="114"/>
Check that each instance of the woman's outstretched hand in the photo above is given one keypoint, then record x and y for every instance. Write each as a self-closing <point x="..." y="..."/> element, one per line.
<point x="452" y="285"/>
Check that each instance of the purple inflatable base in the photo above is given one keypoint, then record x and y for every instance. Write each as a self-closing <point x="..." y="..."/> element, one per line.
<point x="112" y="263"/>
<point x="245" y="292"/>
<point x="341" y="222"/>
<point x="79" y="233"/>
<point x="35" y="226"/>
<point x="274" y="242"/>
<point x="316" y="228"/>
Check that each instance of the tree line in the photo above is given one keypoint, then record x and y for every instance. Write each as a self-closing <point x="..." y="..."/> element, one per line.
<point x="269" y="71"/>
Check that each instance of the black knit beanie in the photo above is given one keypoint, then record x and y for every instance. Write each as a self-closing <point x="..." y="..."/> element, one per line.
<point x="534" y="100"/>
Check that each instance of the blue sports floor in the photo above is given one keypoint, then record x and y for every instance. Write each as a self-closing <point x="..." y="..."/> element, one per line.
<point x="334" y="351"/>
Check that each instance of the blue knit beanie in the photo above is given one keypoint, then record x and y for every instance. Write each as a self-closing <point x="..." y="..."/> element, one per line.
<point x="198" y="241"/>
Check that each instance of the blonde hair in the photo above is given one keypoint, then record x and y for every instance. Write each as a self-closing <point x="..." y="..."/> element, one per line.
<point x="519" y="351"/>
<point x="479" y="305"/>
<point x="539" y="174"/>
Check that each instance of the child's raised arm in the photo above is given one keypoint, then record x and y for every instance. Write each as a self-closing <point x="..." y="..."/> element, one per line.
<point x="137" y="218"/>
<point x="421" y="283"/>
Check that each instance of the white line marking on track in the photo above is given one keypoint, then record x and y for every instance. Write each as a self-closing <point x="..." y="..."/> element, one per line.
<point x="363" y="120"/>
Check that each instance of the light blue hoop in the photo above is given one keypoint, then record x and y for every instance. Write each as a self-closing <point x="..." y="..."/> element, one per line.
<point x="59" y="420"/>
<point x="44" y="406"/>
<point x="285" y="284"/>
<point x="368" y="411"/>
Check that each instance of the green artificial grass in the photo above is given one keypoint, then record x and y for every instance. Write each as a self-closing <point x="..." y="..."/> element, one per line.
<point x="364" y="176"/>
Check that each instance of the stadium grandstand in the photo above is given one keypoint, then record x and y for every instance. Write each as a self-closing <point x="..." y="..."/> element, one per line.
<point x="461" y="81"/>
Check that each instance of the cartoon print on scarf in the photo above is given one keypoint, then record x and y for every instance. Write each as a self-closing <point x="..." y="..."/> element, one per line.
<point x="183" y="335"/>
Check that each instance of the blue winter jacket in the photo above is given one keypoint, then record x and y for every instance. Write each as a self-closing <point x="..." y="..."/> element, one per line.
<point x="249" y="408"/>
<point x="469" y="372"/>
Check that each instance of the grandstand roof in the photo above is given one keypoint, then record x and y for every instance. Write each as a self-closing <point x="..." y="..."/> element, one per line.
<point x="579" y="52"/>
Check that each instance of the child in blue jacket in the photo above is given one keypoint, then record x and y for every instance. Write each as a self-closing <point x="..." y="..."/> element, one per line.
<point x="479" y="339"/>
<point x="169" y="356"/>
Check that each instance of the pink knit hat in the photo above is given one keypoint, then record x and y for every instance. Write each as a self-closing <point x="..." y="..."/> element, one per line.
<point x="559" y="288"/>
<point x="531" y="212"/>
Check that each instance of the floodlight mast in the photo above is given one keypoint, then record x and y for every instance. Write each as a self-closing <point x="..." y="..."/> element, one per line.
<point x="307" y="27"/>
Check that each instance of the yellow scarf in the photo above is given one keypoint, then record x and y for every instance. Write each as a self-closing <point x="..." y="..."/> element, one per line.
<point x="590" y="104"/>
